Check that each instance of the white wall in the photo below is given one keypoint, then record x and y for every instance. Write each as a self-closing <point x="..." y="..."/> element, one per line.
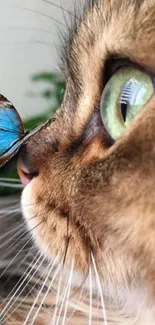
<point x="28" y="44"/>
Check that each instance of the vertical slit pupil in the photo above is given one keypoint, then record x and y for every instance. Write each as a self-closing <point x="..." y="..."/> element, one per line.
<point x="124" y="110"/>
<point x="126" y="96"/>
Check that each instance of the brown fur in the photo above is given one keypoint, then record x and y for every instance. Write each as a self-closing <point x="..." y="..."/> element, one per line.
<point x="96" y="197"/>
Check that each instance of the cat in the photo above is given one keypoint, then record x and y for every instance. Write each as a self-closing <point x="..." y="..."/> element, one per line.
<point x="88" y="225"/>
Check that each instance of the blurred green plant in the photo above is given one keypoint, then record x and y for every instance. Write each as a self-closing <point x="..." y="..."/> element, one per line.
<point x="54" y="87"/>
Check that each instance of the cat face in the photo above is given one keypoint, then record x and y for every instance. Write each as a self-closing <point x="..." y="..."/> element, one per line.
<point x="91" y="197"/>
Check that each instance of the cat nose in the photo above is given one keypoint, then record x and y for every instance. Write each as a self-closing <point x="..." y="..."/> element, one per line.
<point x="25" y="173"/>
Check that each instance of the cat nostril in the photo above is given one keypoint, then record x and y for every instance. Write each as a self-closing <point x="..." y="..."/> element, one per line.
<point x="24" y="173"/>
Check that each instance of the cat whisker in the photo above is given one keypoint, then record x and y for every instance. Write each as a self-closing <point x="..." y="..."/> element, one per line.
<point x="60" y="303"/>
<point x="68" y="293"/>
<point x="98" y="307"/>
<point x="12" y="294"/>
<point x="69" y="12"/>
<point x="57" y="299"/>
<point x="24" y="262"/>
<point x="31" y="42"/>
<point x="30" y="266"/>
<point x="63" y="296"/>
<point x="33" y="249"/>
<point x="24" y="243"/>
<point x="10" y="205"/>
<point x="18" y="240"/>
<point x="67" y="244"/>
<point x="100" y="289"/>
<point x="90" y="295"/>
<point x="9" y="211"/>
<point x="25" y="28"/>
<point x="10" y="185"/>
<point x="28" y="272"/>
<point x="11" y="180"/>
<point x="47" y="292"/>
<point x="38" y="13"/>
<point x="30" y="204"/>
<point x="76" y="305"/>
<point x="19" y="285"/>
<point x="22" y="236"/>
<point x="44" y="43"/>
<point x="60" y="7"/>
<point x="12" y="232"/>
<point x="14" y="258"/>
<point x="37" y="282"/>
<point x="25" y="298"/>
<point x="123" y="276"/>
<point x="60" y="280"/>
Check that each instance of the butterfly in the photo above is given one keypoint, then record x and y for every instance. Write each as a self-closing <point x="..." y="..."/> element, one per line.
<point x="12" y="134"/>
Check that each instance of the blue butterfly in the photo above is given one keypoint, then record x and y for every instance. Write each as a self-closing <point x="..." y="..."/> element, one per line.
<point x="12" y="134"/>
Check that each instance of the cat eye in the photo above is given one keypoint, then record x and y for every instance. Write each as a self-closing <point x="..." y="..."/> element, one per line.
<point x="124" y="96"/>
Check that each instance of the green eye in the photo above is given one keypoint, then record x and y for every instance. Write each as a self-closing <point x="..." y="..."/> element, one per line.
<point x="124" y="96"/>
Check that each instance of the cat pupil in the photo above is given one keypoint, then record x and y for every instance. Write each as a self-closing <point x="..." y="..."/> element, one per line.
<point x="124" y="110"/>
<point x="126" y="97"/>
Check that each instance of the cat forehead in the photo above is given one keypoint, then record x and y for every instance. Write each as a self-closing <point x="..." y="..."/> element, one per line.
<point x="106" y="28"/>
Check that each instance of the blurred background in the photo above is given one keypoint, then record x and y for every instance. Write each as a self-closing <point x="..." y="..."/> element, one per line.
<point x="30" y="45"/>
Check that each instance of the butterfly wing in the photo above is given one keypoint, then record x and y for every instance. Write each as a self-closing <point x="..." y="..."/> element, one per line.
<point x="11" y="152"/>
<point x="11" y="128"/>
<point x="12" y="135"/>
<point x="9" y="117"/>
